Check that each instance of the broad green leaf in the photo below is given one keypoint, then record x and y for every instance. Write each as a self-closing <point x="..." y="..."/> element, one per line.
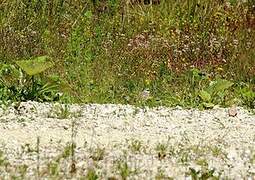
<point x="56" y="80"/>
<point x="222" y="85"/>
<point x="219" y="85"/>
<point x="35" y="66"/>
<point x="208" y="105"/>
<point x="88" y="14"/>
<point x="205" y="96"/>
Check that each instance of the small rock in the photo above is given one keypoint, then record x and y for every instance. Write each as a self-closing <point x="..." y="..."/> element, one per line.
<point x="232" y="111"/>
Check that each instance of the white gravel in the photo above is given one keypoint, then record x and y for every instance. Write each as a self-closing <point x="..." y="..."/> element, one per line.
<point x="190" y="139"/>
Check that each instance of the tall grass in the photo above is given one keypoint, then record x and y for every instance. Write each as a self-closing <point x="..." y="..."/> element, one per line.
<point x="110" y="50"/>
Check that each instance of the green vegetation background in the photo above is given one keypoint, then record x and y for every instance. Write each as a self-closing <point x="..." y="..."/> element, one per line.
<point x="180" y="52"/>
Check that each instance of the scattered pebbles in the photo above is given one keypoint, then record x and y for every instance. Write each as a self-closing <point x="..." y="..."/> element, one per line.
<point x="153" y="142"/>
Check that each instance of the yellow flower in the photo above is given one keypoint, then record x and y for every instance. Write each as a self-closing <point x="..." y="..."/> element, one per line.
<point x="220" y="69"/>
<point x="147" y="82"/>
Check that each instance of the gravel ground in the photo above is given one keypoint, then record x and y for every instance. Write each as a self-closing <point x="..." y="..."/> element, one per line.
<point x="122" y="141"/>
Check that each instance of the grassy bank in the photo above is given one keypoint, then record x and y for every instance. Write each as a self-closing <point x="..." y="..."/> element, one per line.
<point x="189" y="53"/>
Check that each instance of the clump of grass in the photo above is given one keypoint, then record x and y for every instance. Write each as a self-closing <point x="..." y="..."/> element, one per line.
<point x="26" y="148"/>
<point x="3" y="160"/>
<point x="98" y="154"/>
<point x="53" y="169"/>
<point x="22" y="170"/>
<point x="161" y="149"/>
<point x="161" y="175"/>
<point x="61" y="111"/>
<point x="91" y="174"/>
<point x="216" y="151"/>
<point x="202" y="162"/>
<point x="205" y="174"/>
<point x="135" y="145"/>
<point x="123" y="169"/>
<point x="67" y="152"/>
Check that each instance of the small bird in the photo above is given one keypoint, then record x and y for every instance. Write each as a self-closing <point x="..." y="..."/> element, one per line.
<point x="145" y="94"/>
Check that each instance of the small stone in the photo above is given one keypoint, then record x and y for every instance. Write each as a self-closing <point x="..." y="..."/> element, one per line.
<point x="232" y="111"/>
<point x="65" y="127"/>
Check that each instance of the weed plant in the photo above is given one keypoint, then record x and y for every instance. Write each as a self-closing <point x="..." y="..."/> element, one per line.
<point x="109" y="51"/>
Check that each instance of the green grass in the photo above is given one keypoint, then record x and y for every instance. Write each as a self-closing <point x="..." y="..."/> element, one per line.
<point x="98" y="154"/>
<point x="110" y="52"/>
<point x="135" y="145"/>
